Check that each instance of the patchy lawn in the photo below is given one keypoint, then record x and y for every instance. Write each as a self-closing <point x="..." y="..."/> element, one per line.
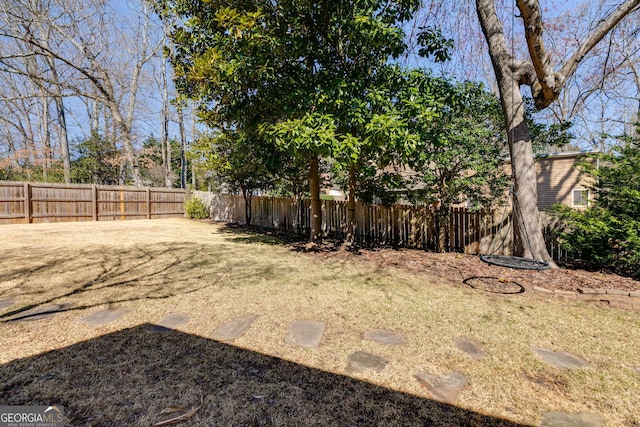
<point x="124" y="373"/>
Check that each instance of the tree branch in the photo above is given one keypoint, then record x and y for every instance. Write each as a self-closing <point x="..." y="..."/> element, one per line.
<point x="552" y="82"/>
<point x="605" y="26"/>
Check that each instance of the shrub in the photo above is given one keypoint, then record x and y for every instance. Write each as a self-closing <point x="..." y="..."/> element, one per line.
<point x="607" y="235"/>
<point x="196" y="209"/>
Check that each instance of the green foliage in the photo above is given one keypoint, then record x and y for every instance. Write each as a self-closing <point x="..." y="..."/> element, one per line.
<point x="304" y="78"/>
<point x="433" y="44"/>
<point x="95" y="160"/>
<point x="196" y="209"/>
<point x="232" y="161"/>
<point x="607" y="234"/>
<point x="546" y="137"/>
<point x="460" y="152"/>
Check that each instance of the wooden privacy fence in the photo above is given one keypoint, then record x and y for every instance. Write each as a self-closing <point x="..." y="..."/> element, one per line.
<point x="24" y="202"/>
<point x="397" y="225"/>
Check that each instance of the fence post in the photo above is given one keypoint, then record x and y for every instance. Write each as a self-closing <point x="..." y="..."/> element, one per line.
<point x="148" y="200"/>
<point x="94" y="202"/>
<point x="122" y="209"/>
<point x="28" y="215"/>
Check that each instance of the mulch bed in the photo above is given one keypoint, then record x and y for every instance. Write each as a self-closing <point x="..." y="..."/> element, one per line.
<point x="454" y="268"/>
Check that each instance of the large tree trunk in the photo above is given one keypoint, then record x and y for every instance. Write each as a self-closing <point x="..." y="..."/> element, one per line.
<point x="64" y="140"/>
<point x="166" y="160"/>
<point x="442" y="216"/>
<point x="45" y="132"/>
<point x="316" y="206"/>
<point x="247" y="194"/>
<point x="127" y="145"/>
<point x="57" y="97"/>
<point x="528" y="240"/>
<point x="183" y="149"/>
<point x="528" y="237"/>
<point x="351" y="206"/>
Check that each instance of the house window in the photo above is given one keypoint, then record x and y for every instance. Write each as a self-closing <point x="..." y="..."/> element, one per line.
<point x="580" y="198"/>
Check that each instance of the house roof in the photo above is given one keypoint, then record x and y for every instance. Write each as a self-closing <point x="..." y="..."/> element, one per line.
<point x="561" y="155"/>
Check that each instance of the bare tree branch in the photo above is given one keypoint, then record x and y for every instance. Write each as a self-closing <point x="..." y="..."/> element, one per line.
<point x="552" y="82"/>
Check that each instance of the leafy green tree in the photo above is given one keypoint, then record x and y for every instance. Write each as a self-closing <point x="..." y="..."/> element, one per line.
<point x="291" y="72"/>
<point x="459" y="155"/>
<point x="95" y="160"/>
<point x="235" y="163"/>
<point x="607" y="234"/>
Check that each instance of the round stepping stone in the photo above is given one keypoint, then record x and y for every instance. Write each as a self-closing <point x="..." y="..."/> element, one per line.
<point x="444" y="388"/>
<point x="361" y="361"/>
<point x="4" y="303"/>
<point x="561" y="419"/>
<point x="471" y="348"/>
<point x="103" y="317"/>
<point x="385" y="337"/>
<point x="170" y="321"/>
<point x="560" y="359"/>
<point x="39" y="312"/>
<point x="233" y="329"/>
<point x="306" y="333"/>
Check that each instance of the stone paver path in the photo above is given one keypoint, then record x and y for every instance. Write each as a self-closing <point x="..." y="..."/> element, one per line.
<point x="306" y="333"/>
<point x="382" y="336"/>
<point x="170" y="321"/>
<point x="4" y="303"/>
<point x="309" y="334"/>
<point x="233" y="329"/>
<point x="361" y="361"/>
<point x="471" y="348"/>
<point x="561" y="419"/>
<point x="39" y="312"/>
<point x="105" y="316"/>
<point x="444" y="388"/>
<point x="560" y="359"/>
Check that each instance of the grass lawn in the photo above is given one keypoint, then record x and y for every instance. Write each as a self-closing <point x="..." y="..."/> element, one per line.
<point x="123" y="373"/>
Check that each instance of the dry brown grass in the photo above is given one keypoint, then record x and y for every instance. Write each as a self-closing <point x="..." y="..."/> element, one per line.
<point x="122" y="373"/>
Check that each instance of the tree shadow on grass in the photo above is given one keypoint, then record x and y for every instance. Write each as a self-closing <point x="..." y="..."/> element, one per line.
<point x="140" y="377"/>
<point x="240" y="233"/>
<point x="99" y="277"/>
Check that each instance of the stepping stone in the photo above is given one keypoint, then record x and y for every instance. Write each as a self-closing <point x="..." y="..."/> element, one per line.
<point x="39" y="312"/>
<point x="444" y="388"/>
<point x="385" y="337"/>
<point x="170" y="321"/>
<point x="105" y="316"/>
<point x="233" y="329"/>
<point x="560" y="359"/>
<point x="306" y="333"/>
<point x="471" y="348"/>
<point x="361" y="361"/>
<point x="4" y="303"/>
<point x="561" y="419"/>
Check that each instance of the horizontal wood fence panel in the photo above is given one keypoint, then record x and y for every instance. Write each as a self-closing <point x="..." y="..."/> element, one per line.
<point x="24" y="202"/>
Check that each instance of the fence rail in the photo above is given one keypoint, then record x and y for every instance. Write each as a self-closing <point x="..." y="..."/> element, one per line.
<point x="473" y="232"/>
<point x="26" y="202"/>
